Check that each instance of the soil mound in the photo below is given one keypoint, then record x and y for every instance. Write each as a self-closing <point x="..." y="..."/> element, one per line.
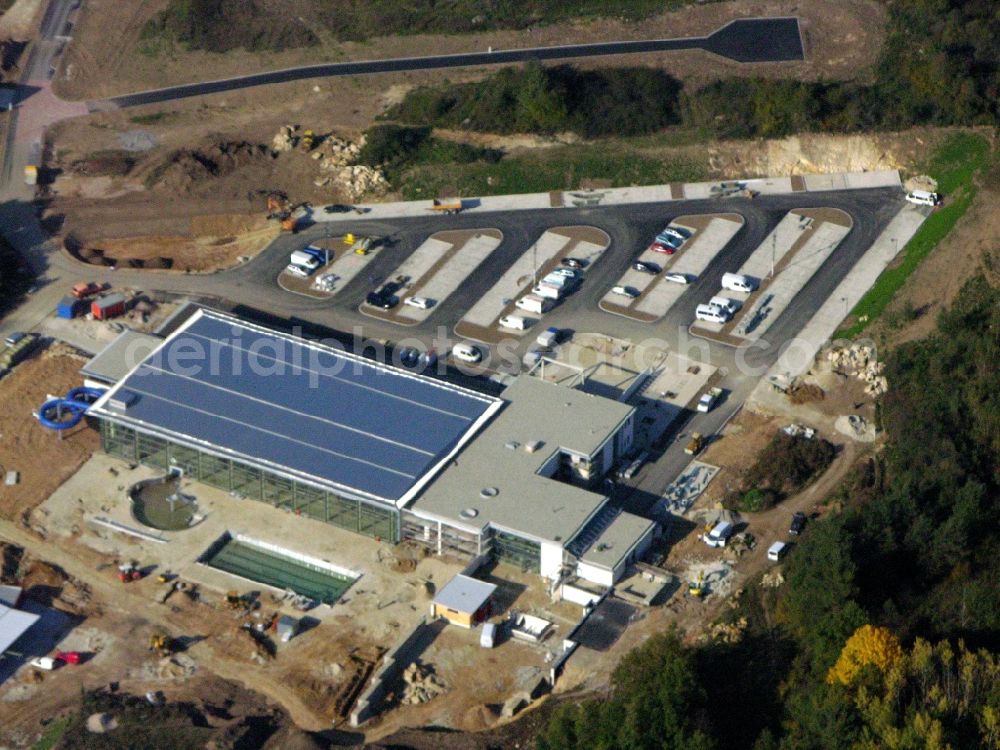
<point x="182" y="169"/>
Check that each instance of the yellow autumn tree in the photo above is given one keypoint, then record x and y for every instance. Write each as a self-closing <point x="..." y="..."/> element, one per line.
<point x="868" y="645"/>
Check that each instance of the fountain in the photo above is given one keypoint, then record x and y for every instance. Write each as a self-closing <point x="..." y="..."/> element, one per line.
<point x="159" y="503"/>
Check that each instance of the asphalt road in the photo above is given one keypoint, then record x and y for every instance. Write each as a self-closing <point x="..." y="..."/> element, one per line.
<point x="742" y="40"/>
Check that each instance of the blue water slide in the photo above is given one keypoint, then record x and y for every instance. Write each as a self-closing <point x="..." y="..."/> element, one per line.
<point x="63" y="413"/>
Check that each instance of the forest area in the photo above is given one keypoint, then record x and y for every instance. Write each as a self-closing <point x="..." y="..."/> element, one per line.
<point x="886" y="630"/>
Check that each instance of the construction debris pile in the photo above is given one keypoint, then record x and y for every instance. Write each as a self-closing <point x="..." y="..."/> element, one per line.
<point x="422" y="685"/>
<point x="859" y="360"/>
<point x="336" y="158"/>
<point x="728" y="632"/>
<point x="354" y="181"/>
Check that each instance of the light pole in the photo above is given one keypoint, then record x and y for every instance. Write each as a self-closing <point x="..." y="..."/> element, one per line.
<point x="774" y="241"/>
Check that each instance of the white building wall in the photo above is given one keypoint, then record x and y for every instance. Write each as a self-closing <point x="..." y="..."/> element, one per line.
<point x="578" y="596"/>
<point x="595" y="574"/>
<point x="551" y="559"/>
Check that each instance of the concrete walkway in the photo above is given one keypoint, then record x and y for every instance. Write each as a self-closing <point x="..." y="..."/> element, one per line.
<point x="800" y="351"/>
<point x="619" y="196"/>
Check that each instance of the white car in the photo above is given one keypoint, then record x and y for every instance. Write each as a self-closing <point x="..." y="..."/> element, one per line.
<point x="466" y="353"/>
<point x="422" y="303"/>
<point x="677" y="278"/>
<point x="625" y="291"/>
<point x="296" y="270"/>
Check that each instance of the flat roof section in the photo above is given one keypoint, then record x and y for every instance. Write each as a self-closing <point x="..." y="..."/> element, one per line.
<point x="495" y="480"/>
<point x="618" y="540"/>
<point x="118" y="358"/>
<point x="464" y="594"/>
<point x="13" y="624"/>
<point x="297" y="406"/>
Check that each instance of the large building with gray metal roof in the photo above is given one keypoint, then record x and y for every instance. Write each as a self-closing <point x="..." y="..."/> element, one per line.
<point x="295" y="423"/>
<point x="375" y="449"/>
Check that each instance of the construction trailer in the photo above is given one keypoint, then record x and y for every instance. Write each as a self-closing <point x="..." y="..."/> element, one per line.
<point x="108" y="306"/>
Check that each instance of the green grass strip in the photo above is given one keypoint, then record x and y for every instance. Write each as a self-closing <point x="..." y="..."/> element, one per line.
<point x="53" y="733"/>
<point x="954" y="165"/>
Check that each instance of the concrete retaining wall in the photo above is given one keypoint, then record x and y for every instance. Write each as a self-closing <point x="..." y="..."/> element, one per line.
<point x="405" y="652"/>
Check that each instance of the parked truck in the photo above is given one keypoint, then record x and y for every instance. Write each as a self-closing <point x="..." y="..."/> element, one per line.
<point x="31" y="175"/>
<point x="708" y="399"/>
<point x="534" y="304"/>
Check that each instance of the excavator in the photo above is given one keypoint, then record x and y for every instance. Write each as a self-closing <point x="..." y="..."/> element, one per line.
<point x="162" y="644"/>
<point x="280" y="209"/>
<point x="697" y="588"/>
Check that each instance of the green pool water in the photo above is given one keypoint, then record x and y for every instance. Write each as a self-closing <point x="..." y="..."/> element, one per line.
<point x="262" y="565"/>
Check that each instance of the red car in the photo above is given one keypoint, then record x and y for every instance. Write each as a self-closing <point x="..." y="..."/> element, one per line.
<point x="657" y="247"/>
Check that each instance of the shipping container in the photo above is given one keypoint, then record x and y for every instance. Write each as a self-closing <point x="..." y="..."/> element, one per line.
<point x="108" y="306"/>
<point x="68" y="307"/>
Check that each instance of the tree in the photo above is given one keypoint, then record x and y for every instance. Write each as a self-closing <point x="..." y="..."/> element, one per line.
<point x="656" y="703"/>
<point x="869" y="645"/>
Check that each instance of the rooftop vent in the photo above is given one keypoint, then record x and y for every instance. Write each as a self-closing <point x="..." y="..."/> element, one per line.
<point x="512" y="445"/>
<point x="123" y="399"/>
<point x="468" y="513"/>
<point x="533" y="445"/>
<point x="487" y="492"/>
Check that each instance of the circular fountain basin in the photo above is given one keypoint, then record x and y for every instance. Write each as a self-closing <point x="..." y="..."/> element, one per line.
<point x="158" y="503"/>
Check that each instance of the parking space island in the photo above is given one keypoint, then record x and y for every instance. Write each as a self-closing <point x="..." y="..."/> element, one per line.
<point x="584" y="243"/>
<point x="434" y="271"/>
<point x="797" y="247"/>
<point x="346" y="262"/>
<point x="709" y="234"/>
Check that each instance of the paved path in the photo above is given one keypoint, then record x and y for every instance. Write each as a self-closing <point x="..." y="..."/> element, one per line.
<point x="744" y="40"/>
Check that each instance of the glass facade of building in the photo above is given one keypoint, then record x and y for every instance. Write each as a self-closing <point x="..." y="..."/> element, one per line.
<point x="525" y="554"/>
<point x="251" y="482"/>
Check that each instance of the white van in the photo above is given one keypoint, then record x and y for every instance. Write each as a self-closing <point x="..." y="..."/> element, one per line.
<point x="304" y="259"/>
<point x="710" y="314"/>
<point x="718" y="536"/>
<point x="736" y="282"/>
<point x="777" y="551"/>
<point x="923" y="198"/>
<point x="514" y="322"/>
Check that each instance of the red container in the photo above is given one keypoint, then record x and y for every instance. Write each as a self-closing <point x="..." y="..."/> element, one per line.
<point x="109" y="306"/>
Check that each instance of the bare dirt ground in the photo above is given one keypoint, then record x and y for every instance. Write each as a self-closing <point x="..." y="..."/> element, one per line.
<point x="213" y="243"/>
<point x="968" y="248"/>
<point x="113" y="642"/>
<point x="43" y="460"/>
<point x="842" y="41"/>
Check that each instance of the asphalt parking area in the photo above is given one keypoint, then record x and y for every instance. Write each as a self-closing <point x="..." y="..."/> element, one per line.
<point x="435" y="270"/>
<point x="605" y="626"/>
<point x="796" y="249"/>
<point x="710" y="233"/>
<point x="583" y="242"/>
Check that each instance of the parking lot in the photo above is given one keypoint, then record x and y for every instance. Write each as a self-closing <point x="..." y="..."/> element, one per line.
<point x="710" y="233"/>
<point x="780" y="266"/>
<point x="435" y="270"/>
<point x="584" y="243"/>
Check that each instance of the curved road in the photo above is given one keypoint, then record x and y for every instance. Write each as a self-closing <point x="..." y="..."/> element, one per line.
<point x="742" y="40"/>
